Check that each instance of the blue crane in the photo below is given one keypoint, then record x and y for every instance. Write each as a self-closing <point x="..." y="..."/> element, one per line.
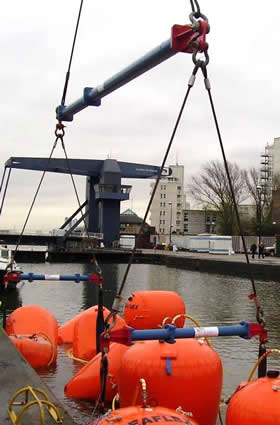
<point x="104" y="191"/>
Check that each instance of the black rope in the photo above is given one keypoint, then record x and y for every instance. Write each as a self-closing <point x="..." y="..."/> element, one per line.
<point x="5" y="190"/>
<point x="197" y="10"/>
<point x="103" y="380"/>
<point x="98" y="269"/>
<point x="71" y="56"/>
<point x="33" y="201"/>
<point x="190" y="85"/>
<point x="259" y="315"/>
<point x="2" y="180"/>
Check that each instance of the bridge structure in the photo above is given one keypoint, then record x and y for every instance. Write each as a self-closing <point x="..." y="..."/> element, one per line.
<point x="38" y="238"/>
<point x="104" y="189"/>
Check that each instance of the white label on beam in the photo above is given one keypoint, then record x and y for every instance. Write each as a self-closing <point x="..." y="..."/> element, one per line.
<point x="203" y="332"/>
<point x="52" y="277"/>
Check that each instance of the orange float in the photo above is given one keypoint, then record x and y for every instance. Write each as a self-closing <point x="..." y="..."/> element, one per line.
<point x="32" y="320"/>
<point x="146" y="415"/>
<point x="84" y="339"/>
<point x="68" y="334"/>
<point x="148" y="309"/>
<point x="256" y="402"/>
<point x="86" y="383"/>
<point x="66" y="331"/>
<point x="187" y="373"/>
<point x="36" y="350"/>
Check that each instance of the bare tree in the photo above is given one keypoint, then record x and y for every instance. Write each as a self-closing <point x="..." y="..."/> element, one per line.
<point x="263" y="198"/>
<point x="211" y="190"/>
<point x="252" y="178"/>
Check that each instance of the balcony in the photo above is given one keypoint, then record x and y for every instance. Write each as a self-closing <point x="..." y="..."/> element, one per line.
<point x="112" y="191"/>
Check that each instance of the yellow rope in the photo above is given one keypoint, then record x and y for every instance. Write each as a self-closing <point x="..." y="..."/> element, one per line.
<point x="51" y="408"/>
<point x="196" y="322"/>
<point x="44" y="336"/>
<point x="71" y="356"/>
<point x="272" y="351"/>
<point x="165" y="320"/>
<point x="50" y="341"/>
<point x="116" y="399"/>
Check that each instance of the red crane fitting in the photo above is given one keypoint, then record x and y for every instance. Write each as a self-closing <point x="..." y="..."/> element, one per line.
<point x="187" y="40"/>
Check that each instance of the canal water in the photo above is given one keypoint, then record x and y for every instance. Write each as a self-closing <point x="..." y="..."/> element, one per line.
<point x="211" y="299"/>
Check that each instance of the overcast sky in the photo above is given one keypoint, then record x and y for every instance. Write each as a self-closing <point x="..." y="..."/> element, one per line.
<point x="134" y="123"/>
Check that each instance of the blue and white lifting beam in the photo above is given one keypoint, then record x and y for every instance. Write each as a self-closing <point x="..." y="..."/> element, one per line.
<point x="184" y="38"/>
<point x="16" y="276"/>
<point x="126" y="335"/>
<point x="31" y="277"/>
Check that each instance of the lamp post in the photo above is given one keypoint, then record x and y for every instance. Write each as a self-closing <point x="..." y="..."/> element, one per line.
<point x="170" y="225"/>
<point x="259" y="211"/>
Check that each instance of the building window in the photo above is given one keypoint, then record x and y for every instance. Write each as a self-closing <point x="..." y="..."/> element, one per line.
<point x="179" y="188"/>
<point x="186" y="228"/>
<point x="178" y="221"/>
<point x="186" y="217"/>
<point x="178" y="205"/>
<point x="163" y="221"/>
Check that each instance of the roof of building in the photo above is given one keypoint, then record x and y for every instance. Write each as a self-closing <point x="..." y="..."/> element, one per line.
<point x="129" y="217"/>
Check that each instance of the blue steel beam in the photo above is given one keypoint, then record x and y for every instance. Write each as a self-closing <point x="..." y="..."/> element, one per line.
<point x="93" y="96"/>
<point x="71" y="277"/>
<point x="170" y="332"/>
<point x="84" y="167"/>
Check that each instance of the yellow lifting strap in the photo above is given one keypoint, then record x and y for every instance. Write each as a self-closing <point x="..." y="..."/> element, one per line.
<point x="32" y="397"/>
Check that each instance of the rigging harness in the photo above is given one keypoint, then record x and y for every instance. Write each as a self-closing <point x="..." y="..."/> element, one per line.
<point x="190" y="39"/>
<point x="185" y="40"/>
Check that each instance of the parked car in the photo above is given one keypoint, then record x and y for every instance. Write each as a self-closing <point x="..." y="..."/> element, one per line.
<point x="269" y="250"/>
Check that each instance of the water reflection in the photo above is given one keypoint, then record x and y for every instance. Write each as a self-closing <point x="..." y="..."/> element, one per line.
<point x="10" y="300"/>
<point x="211" y="299"/>
<point x="90" y="291"/>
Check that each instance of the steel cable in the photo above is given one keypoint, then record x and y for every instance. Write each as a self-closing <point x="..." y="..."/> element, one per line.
<point x="190" y="85"/>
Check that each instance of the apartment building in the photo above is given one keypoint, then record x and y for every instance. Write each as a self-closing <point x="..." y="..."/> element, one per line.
<point x="270" y="176"/>
<point x="169" y="202"/>
<point x="199" y="221"/>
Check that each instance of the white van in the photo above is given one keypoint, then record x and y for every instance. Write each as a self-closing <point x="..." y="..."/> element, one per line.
<point x="127" y="241"/>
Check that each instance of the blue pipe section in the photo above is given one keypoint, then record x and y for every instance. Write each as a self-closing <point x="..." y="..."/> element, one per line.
<point x="72" y="277"/>
<point x="93" y="96"/>
<point x="170" y="332"/>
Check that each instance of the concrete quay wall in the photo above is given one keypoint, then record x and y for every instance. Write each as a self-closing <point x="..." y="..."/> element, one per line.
<point x="235" y="265"/>
<point x="15" y="375"/>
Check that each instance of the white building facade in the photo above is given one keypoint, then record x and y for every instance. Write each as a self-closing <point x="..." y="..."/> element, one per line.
<point x="169" y="202"/>
<point x="199" y="221"/>
<point x="270" y="166"/>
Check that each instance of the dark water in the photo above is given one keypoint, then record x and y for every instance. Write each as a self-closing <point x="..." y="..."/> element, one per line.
<point x="211" y="299"/>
